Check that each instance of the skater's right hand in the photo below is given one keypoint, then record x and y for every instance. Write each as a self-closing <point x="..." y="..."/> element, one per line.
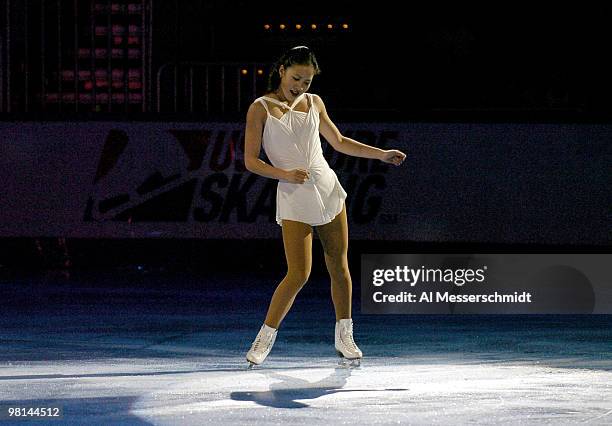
<point x="297" y="176"/>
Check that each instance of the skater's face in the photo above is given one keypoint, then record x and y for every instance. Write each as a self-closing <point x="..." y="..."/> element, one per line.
<point x="295" y="80"/>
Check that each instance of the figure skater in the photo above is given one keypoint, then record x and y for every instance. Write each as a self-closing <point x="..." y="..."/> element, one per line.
<point x="287" y="122"/>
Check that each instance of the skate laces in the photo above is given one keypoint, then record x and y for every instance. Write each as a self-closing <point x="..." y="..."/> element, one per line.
<point x="348" y="337"/>
<point x="256" y="343"/>
<point x="259" y="341"/>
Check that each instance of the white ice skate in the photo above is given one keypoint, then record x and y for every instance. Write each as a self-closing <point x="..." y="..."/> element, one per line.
<point x="262" y="345"/>
<point x="345" y="345"/>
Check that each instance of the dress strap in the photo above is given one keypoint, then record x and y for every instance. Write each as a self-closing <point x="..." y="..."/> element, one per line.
<point x="276" y="101"/>
<point x="264" y="104"/>
<point x="297" y="100"/>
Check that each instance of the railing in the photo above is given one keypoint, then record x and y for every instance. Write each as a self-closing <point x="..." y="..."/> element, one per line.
<point x="75" y="55"/>
<point x="209" y="87"/>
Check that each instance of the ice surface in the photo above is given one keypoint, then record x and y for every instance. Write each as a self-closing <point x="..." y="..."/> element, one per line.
<point x="151" y="351"/>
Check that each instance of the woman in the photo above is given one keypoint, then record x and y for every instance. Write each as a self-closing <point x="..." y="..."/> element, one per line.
<point x="287" y="122"/>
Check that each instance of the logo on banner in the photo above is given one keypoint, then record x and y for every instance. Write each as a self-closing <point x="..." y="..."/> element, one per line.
<point x="184" y="175"/>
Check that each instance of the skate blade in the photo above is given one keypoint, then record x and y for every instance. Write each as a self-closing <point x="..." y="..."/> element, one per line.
<point x="250" y="365"/>
<point x="348" y="363"/>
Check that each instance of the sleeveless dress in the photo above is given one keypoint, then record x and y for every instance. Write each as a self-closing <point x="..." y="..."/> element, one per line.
<point x="293" y="142"/>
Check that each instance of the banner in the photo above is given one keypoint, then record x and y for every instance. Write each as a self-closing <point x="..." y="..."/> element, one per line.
<point x="505" y="183"/>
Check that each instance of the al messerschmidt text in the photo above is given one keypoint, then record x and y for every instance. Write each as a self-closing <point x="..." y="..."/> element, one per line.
<point x="428" y="297"/>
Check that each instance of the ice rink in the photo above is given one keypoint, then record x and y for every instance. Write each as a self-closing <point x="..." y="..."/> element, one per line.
<point x="138" y="346"/>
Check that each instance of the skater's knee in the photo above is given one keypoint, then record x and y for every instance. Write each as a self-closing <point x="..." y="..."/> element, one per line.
<point x="338" y="269"/>
<point x="298" y="276"/>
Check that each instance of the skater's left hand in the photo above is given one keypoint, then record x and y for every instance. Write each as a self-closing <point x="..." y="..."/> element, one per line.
<point x="393" y="156"/>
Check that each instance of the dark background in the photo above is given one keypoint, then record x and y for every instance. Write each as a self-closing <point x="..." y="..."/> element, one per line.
<point x="415" y="59"/>
<point x="397" y="61"/>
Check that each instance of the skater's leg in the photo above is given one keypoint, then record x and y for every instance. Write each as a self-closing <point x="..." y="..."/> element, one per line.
<point x="334" y="239"/>
<point x="297" y="239"/>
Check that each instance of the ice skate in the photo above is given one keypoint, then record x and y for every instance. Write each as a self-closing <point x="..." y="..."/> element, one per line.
<point x="262" y="345"/>
<point x="346" y="348"/>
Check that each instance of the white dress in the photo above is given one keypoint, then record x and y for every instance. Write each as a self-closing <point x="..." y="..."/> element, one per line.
<point x="293" y="142"/>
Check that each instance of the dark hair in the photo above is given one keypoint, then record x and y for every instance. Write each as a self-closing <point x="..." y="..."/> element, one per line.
<point x="299" y="55"/>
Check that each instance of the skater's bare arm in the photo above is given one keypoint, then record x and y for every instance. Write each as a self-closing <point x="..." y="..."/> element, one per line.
<point x="256" y="116"/>
<point x="341" y="143"/>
